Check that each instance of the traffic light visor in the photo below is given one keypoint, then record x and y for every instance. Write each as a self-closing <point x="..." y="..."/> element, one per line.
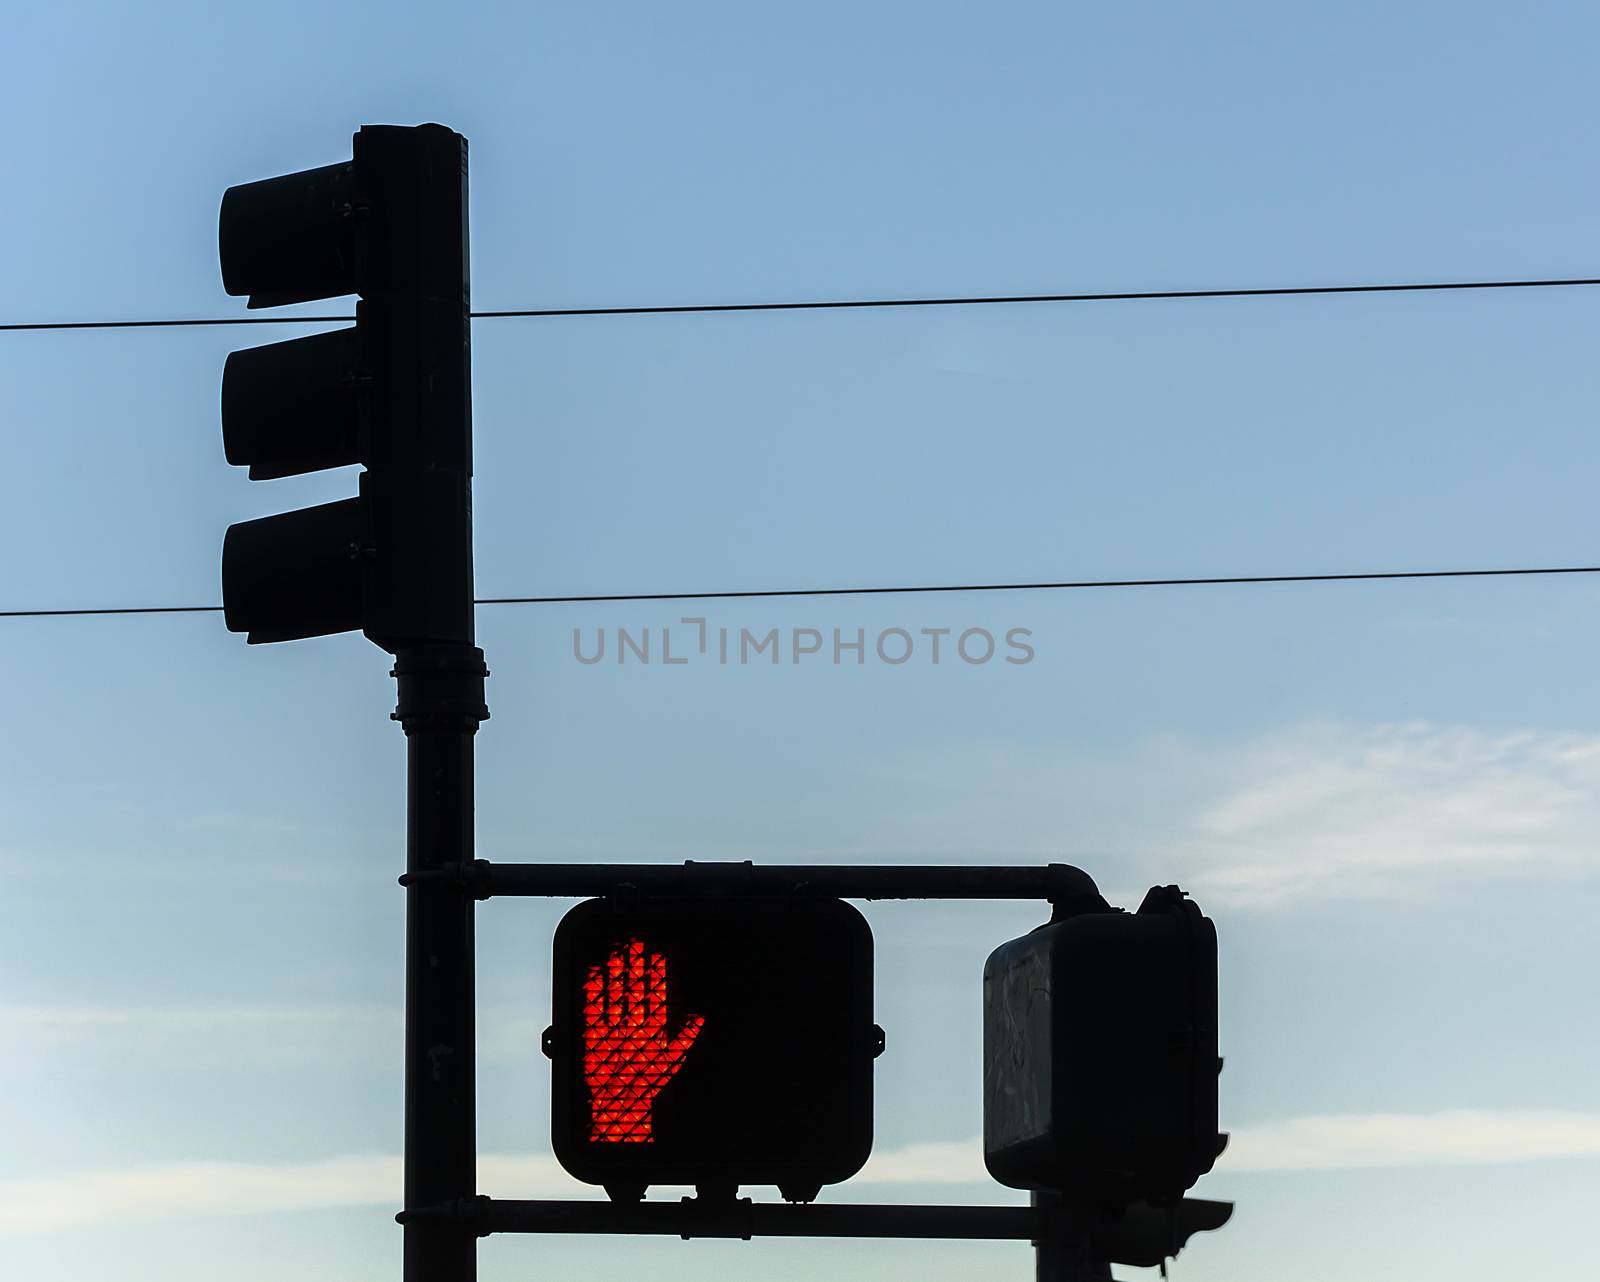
<point x="290" y="239"/>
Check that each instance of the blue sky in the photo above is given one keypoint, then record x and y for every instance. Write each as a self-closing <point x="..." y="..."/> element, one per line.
<point x="1385" y="794"/>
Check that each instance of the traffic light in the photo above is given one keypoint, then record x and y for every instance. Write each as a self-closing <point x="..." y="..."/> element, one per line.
<point x="1100" y="1054"/>
<point x="713" y="1042"/>
<point x="391" y="393"/>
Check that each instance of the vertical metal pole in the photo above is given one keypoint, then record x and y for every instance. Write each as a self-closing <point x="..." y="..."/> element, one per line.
<point x="416" y="246"/>
<point x="441" y="703"/>
<point x="1062" y="1254"/>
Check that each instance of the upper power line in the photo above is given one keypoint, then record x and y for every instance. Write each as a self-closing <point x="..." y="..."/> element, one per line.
<point x="1123" y="296"/>
<point x="886" y="591"/>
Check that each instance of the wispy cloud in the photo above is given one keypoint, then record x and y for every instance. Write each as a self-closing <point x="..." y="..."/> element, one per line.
<point x="239" y="1188"/>
<point x="67" y="1020"/>
<point x="1456" y="1137"/>
<point x="1376" y="812"/>
<point x="194" y="1188"/>
<point x="259" y="1033"/>
<point x="1305" y="811"/>
<point x="1310" y="811"/>
<point x="1452" y="1138"/>
<point x="245" y="1031"/>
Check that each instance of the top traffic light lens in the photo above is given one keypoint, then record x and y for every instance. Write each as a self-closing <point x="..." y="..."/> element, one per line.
<point x="290" y="239"/>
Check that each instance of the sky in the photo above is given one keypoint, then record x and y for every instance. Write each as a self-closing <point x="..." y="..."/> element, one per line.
<point x="1385" y="794"/>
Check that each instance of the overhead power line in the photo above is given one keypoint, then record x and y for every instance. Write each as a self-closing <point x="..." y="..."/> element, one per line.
<point x="887" y="591"/>
<point x="840" y="304"/>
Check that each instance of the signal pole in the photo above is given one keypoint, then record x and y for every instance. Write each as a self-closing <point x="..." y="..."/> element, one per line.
<point x="426" y="393"/>
<point x="441" y="704"/>
<point x="1063" y="1254"/>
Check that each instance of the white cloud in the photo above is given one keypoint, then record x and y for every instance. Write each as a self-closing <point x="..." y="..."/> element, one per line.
<point x="194" y="1188"/>
<point x="244" y="1032"/>
<point x="938" y="1162"/>
<point x="257" y="1033"/>
<point x="1456" y="1137"/>
<point x="1383" y="811"/>
<point x="1312" y="811"/>
<point x="66" y="1020"/>
<point x="1451" y="1138"/>
<point x="239" y="1188"/>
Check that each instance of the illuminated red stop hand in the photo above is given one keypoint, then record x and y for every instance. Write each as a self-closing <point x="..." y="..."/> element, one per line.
<point x="628" y="1056"/>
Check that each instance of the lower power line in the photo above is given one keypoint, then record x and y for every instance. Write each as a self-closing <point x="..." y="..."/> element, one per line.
<point x="1067" y="584"/>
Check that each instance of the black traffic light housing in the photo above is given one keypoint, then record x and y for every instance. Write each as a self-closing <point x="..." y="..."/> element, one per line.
<point x="713" y="1042"/>
<point x="1148" y="1236"/>
<point x="392" y="394"/>
<point x="1100" y="1054"/>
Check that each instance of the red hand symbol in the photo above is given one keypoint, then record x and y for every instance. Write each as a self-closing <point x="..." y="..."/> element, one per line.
<point x="627" y="1054"/>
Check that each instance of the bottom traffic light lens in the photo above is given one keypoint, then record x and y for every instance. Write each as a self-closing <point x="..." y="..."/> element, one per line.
<point x="294" y="575"/>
